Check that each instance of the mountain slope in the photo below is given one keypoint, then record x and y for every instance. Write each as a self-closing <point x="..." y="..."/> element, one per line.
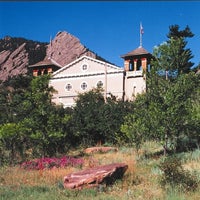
<point x="16" y="54"/>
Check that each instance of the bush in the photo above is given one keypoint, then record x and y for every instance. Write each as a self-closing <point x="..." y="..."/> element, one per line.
<point x="175" y="175"/>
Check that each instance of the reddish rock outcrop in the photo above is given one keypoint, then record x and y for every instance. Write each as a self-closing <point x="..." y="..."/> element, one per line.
<point x="65" y="48"/>
<point x="13" y="63"/>
<point x="106" y="174"/>
<point x="16" y="54"/>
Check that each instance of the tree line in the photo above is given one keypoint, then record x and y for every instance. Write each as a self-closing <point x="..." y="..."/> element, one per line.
<point x="168" y="112"/>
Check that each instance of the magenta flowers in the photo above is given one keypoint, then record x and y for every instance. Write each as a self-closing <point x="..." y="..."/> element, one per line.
<point x="48" y="163"/>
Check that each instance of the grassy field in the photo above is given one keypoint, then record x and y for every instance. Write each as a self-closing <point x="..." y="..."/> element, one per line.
<point x="141" y="180"/>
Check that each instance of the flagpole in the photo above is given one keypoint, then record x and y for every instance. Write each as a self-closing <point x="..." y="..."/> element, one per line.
<point x="141" y="32"/>
<point x="50" y="47"/>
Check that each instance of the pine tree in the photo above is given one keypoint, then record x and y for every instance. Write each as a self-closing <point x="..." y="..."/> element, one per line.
<point x="180" y="56"/>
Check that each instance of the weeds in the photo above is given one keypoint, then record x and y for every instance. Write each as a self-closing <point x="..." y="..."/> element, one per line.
<point x="141" y="180"/>
<point x="175" y="175"/>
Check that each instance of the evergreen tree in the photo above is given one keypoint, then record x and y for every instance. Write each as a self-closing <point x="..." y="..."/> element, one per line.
<point x="164" y="115"/>
<point x="177" y="43"/>
<point x="170" y="95"/>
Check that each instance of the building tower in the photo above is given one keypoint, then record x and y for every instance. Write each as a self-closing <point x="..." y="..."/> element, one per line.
<point x="47" y="66"/>
<point x="136" y="63"/>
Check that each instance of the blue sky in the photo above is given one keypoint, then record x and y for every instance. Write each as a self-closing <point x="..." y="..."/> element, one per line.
<point x="110" y="29"/>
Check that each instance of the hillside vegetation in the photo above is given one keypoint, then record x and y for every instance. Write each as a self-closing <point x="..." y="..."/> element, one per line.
<point x="158" y="135"/>
<point x="141" y="180"/>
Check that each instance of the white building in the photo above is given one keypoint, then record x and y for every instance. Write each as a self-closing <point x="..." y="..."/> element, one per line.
<point x="86" y="73"/>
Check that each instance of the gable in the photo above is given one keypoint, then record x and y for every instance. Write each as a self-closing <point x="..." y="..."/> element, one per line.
<point x="85" y="66"/>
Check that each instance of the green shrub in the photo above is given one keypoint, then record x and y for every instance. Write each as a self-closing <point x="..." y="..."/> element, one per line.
<point x="174" y="174"/>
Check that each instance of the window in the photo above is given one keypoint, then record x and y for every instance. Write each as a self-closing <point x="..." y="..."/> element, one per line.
<point x="84" y="66"/>
<point x="139" y="65"/>
<point x="130" y="66"/>
<point x="84" y="86"/>
<point x="99" y="84"/>
<point x="68" y="87"/>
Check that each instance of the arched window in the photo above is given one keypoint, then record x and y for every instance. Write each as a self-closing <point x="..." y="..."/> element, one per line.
<point x="45" y="71"/>
<point x="39" y="72"/>
<point x="130" y="66"/>
<point x="139" y="65"/>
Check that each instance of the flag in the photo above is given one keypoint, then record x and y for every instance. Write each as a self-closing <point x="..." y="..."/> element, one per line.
<point x="141" y="29"/>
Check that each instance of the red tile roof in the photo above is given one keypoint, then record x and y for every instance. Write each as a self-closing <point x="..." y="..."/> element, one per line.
<point x="135" y="52"/>
<point x="46" y="62"/>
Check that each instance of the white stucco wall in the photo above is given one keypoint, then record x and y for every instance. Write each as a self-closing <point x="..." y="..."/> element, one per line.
<point x="74" y="75"/>
<point x="111" y="76"/>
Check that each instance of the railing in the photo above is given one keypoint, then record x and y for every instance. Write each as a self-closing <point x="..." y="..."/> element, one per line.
<point x="134" y="73"/>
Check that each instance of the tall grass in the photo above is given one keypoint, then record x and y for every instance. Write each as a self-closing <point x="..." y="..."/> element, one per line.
<point x="141" y="180"/>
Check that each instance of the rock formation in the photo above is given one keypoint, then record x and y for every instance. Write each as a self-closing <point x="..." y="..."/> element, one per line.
<point x="104" y="174"/>
<point x="16" y="54"/>
<point x="65" y="48"/>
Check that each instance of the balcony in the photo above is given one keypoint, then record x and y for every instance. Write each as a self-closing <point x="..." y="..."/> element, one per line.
<point x="138" y="73"/>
